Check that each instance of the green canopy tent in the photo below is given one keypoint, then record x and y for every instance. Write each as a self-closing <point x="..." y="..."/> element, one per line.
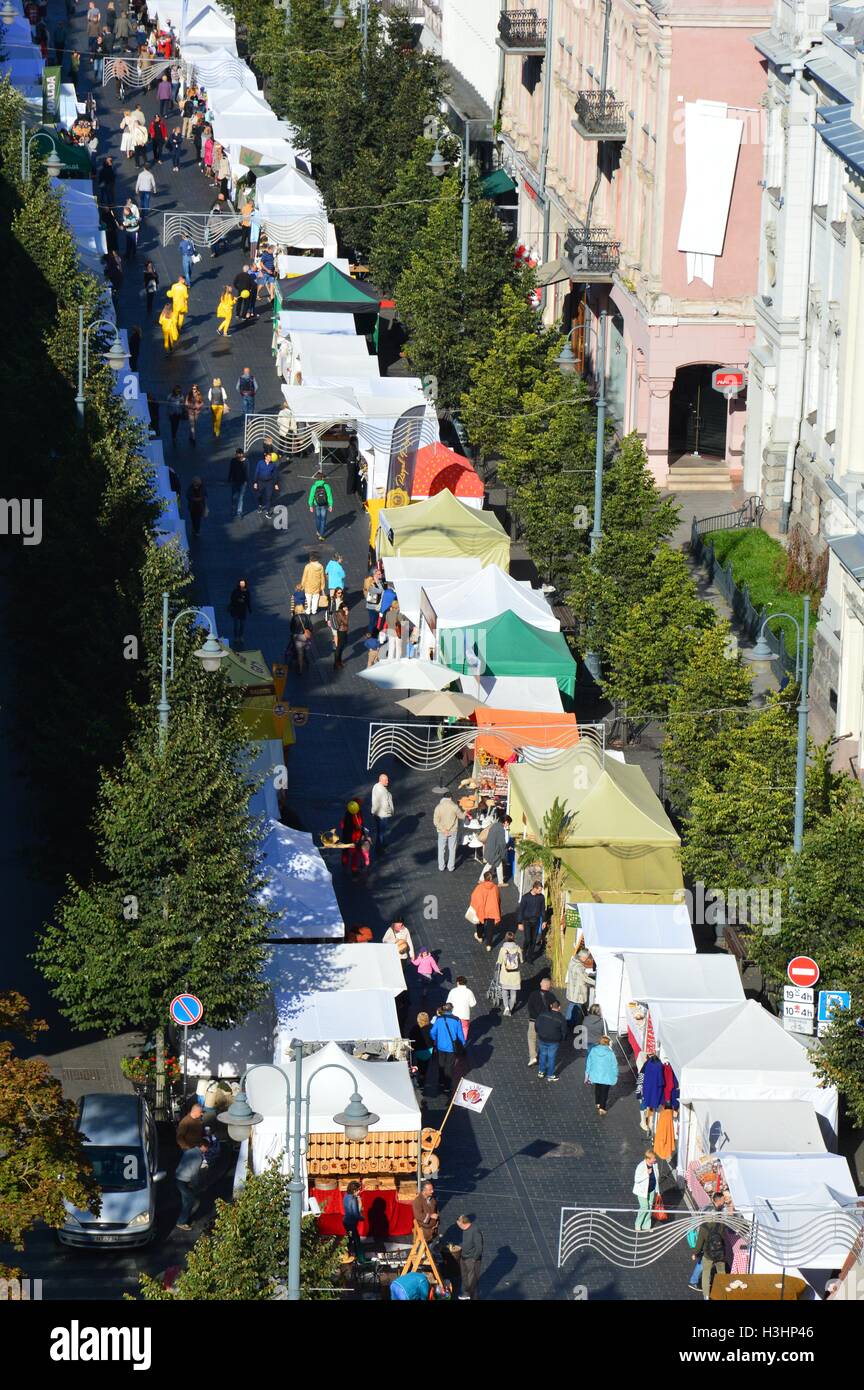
<point x="75" y="159"/>
<point x="329" y="290"/>
<point x="507" y="646"/>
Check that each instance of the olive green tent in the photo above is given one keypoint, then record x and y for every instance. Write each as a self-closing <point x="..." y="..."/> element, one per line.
<point x="443" y="526"/>
<point x="508" y="646"/>
<point x="622" y="845"/>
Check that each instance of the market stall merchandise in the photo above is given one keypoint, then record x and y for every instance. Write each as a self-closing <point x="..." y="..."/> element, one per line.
<point x="622" y="845"/>
<point x="443" y="526"/>
<point x="439" y="468"/>
<point x="298" y="886"/>
<point x="508" y="646"/>
<point x="657" y="990"/>
<point x="610" y="930"/>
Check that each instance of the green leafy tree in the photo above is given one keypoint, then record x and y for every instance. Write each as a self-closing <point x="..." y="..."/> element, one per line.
<point x="396" y="227"/>
<point x="245" y="1256"/>
<point x="516" y="355"/>
<point x="545" y="854"/>
<point x="839" y="1060"/>
<point x="705" y="715"/>
<point x="43" y="1157"/>
<point x="174" y="906"/>
<point x="653" y="645"/>
<point x="450" y="314"/>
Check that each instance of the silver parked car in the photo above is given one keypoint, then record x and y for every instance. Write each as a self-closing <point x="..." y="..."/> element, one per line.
<point x="120" y="1144"/>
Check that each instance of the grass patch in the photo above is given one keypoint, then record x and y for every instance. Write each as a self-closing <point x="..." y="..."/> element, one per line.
<point x="759" y="561"/>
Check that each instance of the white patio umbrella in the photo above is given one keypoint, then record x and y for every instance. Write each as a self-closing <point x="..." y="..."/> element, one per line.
<point x="440" y="704"/>
<point x="409" y="673"/>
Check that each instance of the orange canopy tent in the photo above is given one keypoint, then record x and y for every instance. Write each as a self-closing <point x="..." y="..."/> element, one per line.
<point x="523" y="728"/>
<point x="438" y="468"/>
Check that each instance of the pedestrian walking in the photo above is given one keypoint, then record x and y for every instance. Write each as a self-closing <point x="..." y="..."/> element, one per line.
<point x="114" y="273"/>
<point x="121" y="31"/>
<point x="246" y="210"/>
<point x="551" y="1028"/>
<point x="266" y="264"/>
<point x="509" y="972"/>
<point x="194" y="406"/>
<point x="485" y="906"/>
<point x="100" y="53"/>
<point x="189" y="109"/>
<point x="190" y="1131"/>
<point x="539" y="1001"/>
<point x="59" y="39"/>
<point x="462" y="1001"/>
<point x="164" y="94"/>
<point x="710" y="1248"/>
<point x="187" y="1177"/>
<point x="196" y="496"/>
<point x="158" y="135"/>
<point x="140" y="137"/>
<point x="470" y="1258"/>
<point x="601" y="1071"/>
<point x="645" y="1189"/>
<point x="577" y="987"/>
<point x="218" y="398"/>
<point x="245" y="288"/>
<point x="240" y="608"/>
<point x="94" y="27"/>
<point x="352" y="1215"/>
<point x="446" y="818"/>
<point x="134" y="336"/>
<point x="186" y="247"/>
<point x="175" y="148"/>
<point x="449" y="1041"/>
<point x="399" y="936"/>
<point x="320" y="501"/>
<point x="247" y="389"/>
<point x="352" y="833"/>
<point x="265" y="484"/>
<point x="312" y="583"/>
<point x="168" y="324"/>
<point x="178" y="293"/>
<point x="337" y="621"/>
<point x="382" y="812"/>
<point x="145" y="187"/>
<point x="530" y="919"/>
<point x="421" y="1039"/>
<point x="131" y="221"/>
<point x="176" y="78"/>
<point x="426" y="966"/>
<point x="300" y="631"/>
<point x="238" y="476"/>
<point x="225" y="311"/>
<point x="176" y="411"/>
<point x="495" y="847"/>
<point x="106" y="181"/>
<point x="151" y="285"/>
<point x="425" y="1211"/>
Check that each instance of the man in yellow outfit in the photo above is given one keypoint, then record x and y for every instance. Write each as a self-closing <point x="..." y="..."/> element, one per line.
<point x="168" y="324"/>
<point x="179" y="296"/>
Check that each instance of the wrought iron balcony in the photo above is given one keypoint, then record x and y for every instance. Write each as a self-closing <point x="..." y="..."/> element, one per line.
<point x="593" y="252"/>
<point x="600" y="117"/>
<point x="521" y="31"/>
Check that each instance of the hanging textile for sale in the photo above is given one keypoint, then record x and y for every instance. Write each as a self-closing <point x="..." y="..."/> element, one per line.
<point x="664" y="1134"/>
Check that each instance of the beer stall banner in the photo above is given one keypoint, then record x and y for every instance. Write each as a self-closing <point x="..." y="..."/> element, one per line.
<point x="51" y="79"/>
<point x="403" y="456"/>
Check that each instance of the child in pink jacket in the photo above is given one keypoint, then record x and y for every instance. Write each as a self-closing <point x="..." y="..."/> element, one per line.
<point x="426" y="966"/>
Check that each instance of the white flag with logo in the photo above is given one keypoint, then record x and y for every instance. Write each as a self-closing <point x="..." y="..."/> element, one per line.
<point x="472" y="1095"/>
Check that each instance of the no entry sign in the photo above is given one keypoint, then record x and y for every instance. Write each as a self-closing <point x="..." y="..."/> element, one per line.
<point x="729" y="379"/>
<point x="803" y="970"/>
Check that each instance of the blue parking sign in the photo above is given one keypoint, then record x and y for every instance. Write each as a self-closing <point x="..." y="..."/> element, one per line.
<point x="831" y="1000"/>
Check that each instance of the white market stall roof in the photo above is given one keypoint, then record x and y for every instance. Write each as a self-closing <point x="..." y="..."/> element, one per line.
<point x="425" y="568"/>
<point x="386" y="1089"/>
<point x="788" y="1194"/>
<point x="288" y="191"/>
<point x="317" y="356"/>
<point x="218" y="66"/>
<point x="246" y="127"/>
<point x="294" y="321"/>
<point x="698" y="981"/>
<point x="743" y="1053"/>
<point x="341" y="968"/>
<point x="209" y="26"/>
<point x="345" y="1016"/>
<point x="755" y="1126"/>
<point x="533" y="694"/>
<point x="234" y="100"/>
<point x="487" y="594"/>
<point x="311" y="405"/>
<point x="271" y="152"/>
<point x="610" y="929"/>
<point x="299" y="886"/>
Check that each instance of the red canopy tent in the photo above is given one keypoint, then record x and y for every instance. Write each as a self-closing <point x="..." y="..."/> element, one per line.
<point x="438" y="468"/>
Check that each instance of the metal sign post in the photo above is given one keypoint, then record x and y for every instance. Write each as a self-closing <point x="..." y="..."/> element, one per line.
<point x="186" y="1011"/>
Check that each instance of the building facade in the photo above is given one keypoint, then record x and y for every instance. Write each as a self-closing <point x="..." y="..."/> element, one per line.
<point x="634" y="133"/>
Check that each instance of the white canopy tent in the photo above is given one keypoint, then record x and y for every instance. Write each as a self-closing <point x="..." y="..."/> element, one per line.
<point x="218" y="66"/>
<point x="424" y="569"/>
<point x="382" y="402"/>
<point x="234" y="100"/>
<point x="609" y="930"/>
<point x="386" y="1089"/>
<point x="741" y="1053"/>
<point x="752" y="1126"/>
<point x="353" y="1016"/>
<point x="675" y="987"/>
<point x="342" y="968"/>
<point x="335" y="356"/>
<point x="292" y="208"/>
<point x="208" y="26"/>
<point x="312" y="405"/>
<point x="262" y="152"/>
<point x="293" y="321"/>
<point x="793" y="1198"/>
<point x="289" y="266"/>
<point x="244" y="127"/>
<point x="533" y="694"/>
<point x="173" y="12"/>
<point x="485" y="595"/>
<point x="299" y="886"/>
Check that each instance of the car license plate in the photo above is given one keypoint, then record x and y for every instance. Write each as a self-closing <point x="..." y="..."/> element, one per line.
<point x="109" y="1240"/>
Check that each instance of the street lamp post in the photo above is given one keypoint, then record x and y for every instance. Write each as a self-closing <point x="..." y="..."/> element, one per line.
<point x="339" y="18"/>
<point x="241" y="1119"/>
<point x="210" y="655"/>
<point x="53" y="164"/>
<point x="115" y="356"/>
<point x="591" y="659"/>
<point x="761" y="656"/>
<point x="438" y="166"/>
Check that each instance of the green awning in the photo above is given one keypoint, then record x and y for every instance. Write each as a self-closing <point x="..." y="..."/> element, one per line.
<point x="496" y="183"/>
<point x="326" y="288"/>
<point x="74" y="158"/>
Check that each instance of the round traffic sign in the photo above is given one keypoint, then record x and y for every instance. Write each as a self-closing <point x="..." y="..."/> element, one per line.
<point x="803" y="970"/>
<point x="186" y="1010"/>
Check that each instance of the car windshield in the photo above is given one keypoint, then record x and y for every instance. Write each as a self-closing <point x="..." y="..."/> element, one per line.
<point x="120" y="1169"/>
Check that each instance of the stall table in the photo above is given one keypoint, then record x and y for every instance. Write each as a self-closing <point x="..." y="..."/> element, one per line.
<point x="757" y="1288"/>
<point x="740" y="1251"/>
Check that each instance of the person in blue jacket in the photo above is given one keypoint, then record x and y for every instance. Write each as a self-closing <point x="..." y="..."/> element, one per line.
<point x="413" y="1287"/>
<point x="265" y="482"/>
<point x="448" y="1040"/>
<point x="601" y="1068"/>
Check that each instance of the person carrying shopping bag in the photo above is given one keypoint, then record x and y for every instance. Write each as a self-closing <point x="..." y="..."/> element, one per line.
<point x="486" y="907"/>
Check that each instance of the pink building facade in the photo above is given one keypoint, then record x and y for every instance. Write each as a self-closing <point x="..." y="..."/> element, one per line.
<point x="664" y="172"/>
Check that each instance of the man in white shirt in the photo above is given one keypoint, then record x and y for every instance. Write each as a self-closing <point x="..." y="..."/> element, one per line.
<point x="145" y="187"/>
<point x="446" y="818"/>
<point x="382" y="811"/>
<point x="463" y="1002"/>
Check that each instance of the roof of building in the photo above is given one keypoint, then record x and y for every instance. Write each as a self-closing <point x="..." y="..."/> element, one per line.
<point x="844" y="136"/>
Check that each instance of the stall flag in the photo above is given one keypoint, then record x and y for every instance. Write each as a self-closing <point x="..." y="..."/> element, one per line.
<point x="472" y="1095"/>
<point x="51" y="79"/>
<point x="403" y="455"/>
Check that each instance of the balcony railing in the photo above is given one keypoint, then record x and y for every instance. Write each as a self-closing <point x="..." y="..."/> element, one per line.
<point x="593" y="252"/>
<point x="600" y="117"/>
<point x="522" y="31"/>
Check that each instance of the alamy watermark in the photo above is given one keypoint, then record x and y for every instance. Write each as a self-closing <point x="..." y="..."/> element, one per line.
<point x="745" y="907"/>
<point x="22" y="516"/>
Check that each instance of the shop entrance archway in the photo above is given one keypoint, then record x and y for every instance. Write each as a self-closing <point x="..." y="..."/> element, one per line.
<point x="698" y="414"/>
